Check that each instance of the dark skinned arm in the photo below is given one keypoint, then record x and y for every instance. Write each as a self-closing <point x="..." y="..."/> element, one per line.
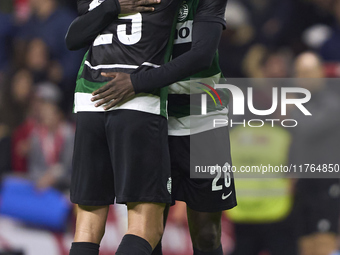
<point x="199" y="58"/>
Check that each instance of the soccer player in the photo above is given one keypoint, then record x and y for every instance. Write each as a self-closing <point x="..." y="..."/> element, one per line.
<point x="199" y="29"/>
<point x="121" y="153"/>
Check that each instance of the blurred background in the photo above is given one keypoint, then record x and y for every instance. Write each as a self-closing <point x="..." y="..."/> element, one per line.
<point x="264" y="39"/>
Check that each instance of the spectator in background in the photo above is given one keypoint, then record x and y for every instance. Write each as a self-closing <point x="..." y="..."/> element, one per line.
<point x="269" y="66"/>
<point x="15" y="109"/>
<point x="50" y="22"/>
<point x="236" y="39"/>
<point x="6" y="34"/>
<point x="262" y="62"/>
<point x="271" y="20"/>
<point x="39" y="63"/>
<point x="316" y="141"/>
<point x="16" y="98"/>
<point x="263" y="219"/>
<point x="51" y="142"/>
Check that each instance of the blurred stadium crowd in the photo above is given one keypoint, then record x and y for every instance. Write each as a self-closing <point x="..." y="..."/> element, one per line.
<point x="264" y="39"/>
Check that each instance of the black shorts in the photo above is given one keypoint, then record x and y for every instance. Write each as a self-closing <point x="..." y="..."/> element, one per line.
<point x="203" y="195"/>
<point x="120" y="154"/>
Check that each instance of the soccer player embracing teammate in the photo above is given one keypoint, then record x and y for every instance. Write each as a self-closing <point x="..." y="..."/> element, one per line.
<point x="121" y="148"/>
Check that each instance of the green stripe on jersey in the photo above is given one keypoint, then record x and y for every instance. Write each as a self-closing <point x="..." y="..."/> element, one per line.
<point x="181" y="108"/>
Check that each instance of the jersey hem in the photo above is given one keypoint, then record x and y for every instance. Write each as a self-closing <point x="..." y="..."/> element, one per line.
<point x="148" y="103"/>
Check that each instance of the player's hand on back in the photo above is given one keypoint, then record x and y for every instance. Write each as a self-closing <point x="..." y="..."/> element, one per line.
<point x="115" y="91"/>
<point x="133" y="6"/>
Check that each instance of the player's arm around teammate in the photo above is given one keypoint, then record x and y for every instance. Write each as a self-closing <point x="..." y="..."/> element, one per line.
<point x="205" y="40"/>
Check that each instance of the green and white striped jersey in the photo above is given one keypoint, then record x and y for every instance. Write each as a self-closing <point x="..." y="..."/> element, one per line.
<point x="132" y="43"/>
<point x="182" y="121"/>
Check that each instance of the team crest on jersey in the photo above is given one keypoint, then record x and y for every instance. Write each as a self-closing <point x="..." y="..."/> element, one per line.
<point x="169" y="184"/>
<point x="183" y="12"/>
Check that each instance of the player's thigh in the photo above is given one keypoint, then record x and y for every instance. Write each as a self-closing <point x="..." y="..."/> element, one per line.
<point x="90" y="223"/>
<point x="140" y="156"/>
<point x="92" y="181"/>
<point x="202" y="191"/>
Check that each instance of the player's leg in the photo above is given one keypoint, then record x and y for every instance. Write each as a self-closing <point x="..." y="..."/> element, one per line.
<point x="178" y="147"/>
<point x="90" y="228"/>
<point x="158" y="249"/>
<point x="141" y="163"/>
<point x="90" y="223"/>
<point x="206" y="195"/>
<point x="92" y="183"/>
<point x="146" y="221"/>
<point x="205" y="232"/>
<point x="145" y="228"/>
